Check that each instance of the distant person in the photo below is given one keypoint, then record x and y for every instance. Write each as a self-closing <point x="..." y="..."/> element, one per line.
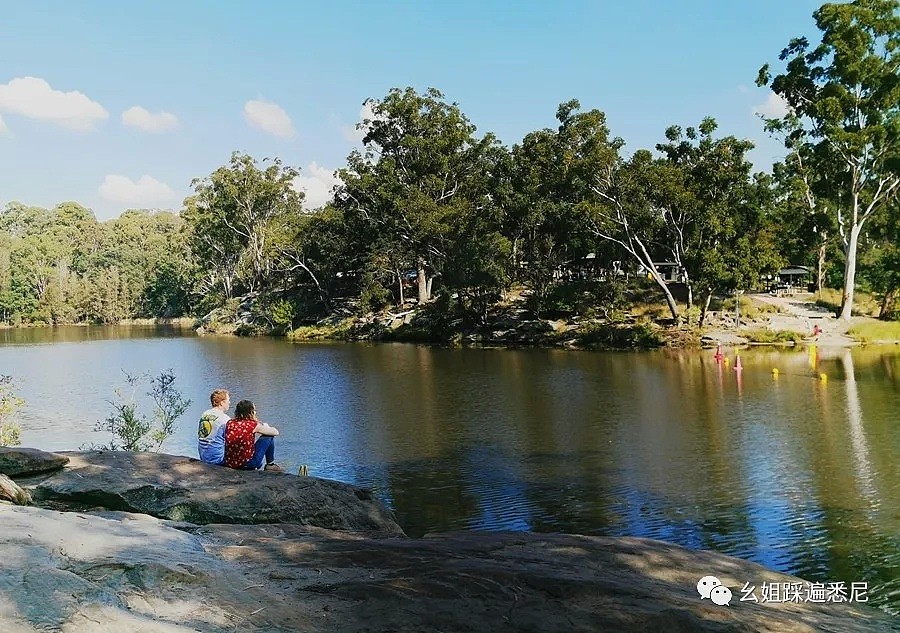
<point x="242" y="450"/>
<point x="211" y="431"/>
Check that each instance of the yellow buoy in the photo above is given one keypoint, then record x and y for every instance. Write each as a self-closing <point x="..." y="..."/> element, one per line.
<point x="775" y="372"/>
<point x="823" y="377"/>
<point x="725" y="360"/>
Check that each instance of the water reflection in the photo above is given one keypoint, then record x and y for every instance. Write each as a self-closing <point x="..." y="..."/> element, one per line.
<point x="857" y="433"/>
<point x="790" y="471"/>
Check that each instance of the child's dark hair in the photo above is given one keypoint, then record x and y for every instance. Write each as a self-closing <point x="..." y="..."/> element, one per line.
<point x="245" y="410"/>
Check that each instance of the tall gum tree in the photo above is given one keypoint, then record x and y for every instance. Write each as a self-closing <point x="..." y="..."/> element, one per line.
<point x="714" y="210"/>
<point x="238" y="203"/>
<point x="420" y="168"/>
<point x="843" y="99"/>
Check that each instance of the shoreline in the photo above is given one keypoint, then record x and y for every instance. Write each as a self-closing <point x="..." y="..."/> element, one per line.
<point x="513" y="328"/>
<point x="180" y="322"/>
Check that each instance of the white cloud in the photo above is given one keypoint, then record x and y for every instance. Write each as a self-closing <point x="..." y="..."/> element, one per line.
<point x="146" y="192"/>
<point x="354" y="133"/>
<point x="743" y="89"/>
<point x="269" y="117"/>
<point x="774" y="107"/>
<point x="33" y="97"/>
<point x="3" y="128"/>
<point x="154" y="123"/>
<point x="318" y="185"/>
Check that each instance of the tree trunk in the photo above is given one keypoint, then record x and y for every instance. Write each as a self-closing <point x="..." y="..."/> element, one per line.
<point x="850" y="273"/>
<point x="400" y="284"/>
<point x="423" y="285"/>
<point x="428" y="287"/>
<point x="705" y="308"/>
<point x="10" y="491"/>
<point x="690" y="296"/>
<point x="670" y="300"/>
<point x="820" y="274"/>
<point x="887" y="303"/>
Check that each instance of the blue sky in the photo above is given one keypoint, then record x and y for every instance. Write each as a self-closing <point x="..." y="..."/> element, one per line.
<point x="288" y="79"/>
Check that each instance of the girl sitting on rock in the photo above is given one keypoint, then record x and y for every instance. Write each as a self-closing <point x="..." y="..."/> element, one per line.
<point x="242" y="450"/>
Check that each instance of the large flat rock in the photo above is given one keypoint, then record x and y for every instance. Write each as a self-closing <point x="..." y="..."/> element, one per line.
<point x="184" y="489"/>
<point x="124" y="573"/>
<point x="21" y="462"/>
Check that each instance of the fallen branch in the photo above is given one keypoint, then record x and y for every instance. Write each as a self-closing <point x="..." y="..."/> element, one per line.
<point x="10" y="491"/>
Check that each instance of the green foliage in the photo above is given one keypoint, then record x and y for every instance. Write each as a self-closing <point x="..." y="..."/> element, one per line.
<point x="9" y="404"/>
<point x="642" y="335"/>
<point x="714" y="209"/>
<point x="132" y="430"/>
<point x="337" y="330"/>
<point x="606" y="298"/>
<point x="282" y="313"/>
<point x="232" y="219"/>
<point x="876" y="331"/>
<point x="881" y="264"/>
<point x="478" y="265"/>
<point x="773" y="336"/>
<point x="373" y="295"/>
<point x="842" y="125"/>
<point x="421" y="168"/>
<point x="62" y="266"/>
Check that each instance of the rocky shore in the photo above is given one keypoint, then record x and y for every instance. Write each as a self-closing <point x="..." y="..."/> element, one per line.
<point x="772" y="321"/>
<point x="156" y="543"/>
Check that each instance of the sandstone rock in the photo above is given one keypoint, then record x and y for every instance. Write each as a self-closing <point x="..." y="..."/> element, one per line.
<point x="723" y="338"/>
<point x="127" y="573"/>
<point x="74" y="572"/>
<point x="184" y="489"/>
<point x="21" y="462"/>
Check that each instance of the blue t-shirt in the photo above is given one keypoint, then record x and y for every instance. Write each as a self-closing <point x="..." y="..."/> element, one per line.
<point x="211" y="436"/>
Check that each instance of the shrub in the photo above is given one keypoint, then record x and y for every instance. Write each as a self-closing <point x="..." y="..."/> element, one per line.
<point x="603" y="336"/>
<point x="373" y="295"/>
<point x="9" y="403"/>
<point x="132" y="430"/>
<point x="582" y="297"/>
<point x="773" y="336"/>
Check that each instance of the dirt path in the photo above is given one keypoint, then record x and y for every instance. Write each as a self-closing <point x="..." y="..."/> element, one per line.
<point x="800" y="313"/>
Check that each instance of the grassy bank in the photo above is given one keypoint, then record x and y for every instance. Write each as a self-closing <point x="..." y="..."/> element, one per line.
<point x="876" y="331"/>
<point x="864" y="304"/>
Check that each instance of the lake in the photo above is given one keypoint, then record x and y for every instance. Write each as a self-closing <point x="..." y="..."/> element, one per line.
<point x="794" y="472"/>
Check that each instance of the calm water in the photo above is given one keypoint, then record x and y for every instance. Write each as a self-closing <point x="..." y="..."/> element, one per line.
<point x="794" y="473"/>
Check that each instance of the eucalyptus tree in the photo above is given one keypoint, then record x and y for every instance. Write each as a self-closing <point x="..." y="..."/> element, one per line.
<point x="232" y="212"/>
<point x="843" y="113"/>
<point x="419" y="168"/>
<point x="314" y="251"/>
<point x="807" y="227"/>
<point x="551" y="192"/>
<point x="715" y="210"/>
<point x="882" y="262"/>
